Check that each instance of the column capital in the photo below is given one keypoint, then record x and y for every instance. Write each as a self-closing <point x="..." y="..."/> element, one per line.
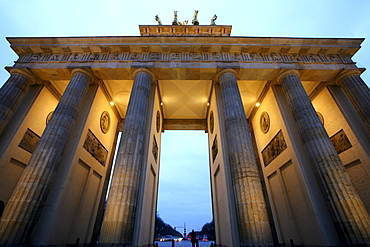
<point x="145" y="70"/>
<point x="84" y="71"/>
<point x="24" y="72"/>
<point x="284" y="73"/>
<point x="218" y="75"/>
<point x="345" y="73"/>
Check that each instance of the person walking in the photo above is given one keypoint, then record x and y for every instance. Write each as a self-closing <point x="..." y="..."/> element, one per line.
<point x="193" y="238"/>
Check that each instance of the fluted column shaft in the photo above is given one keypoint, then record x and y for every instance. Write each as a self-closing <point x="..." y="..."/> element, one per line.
<point x="348" y="213"/>
<point x="253" y="223"/>
<point x="11" y="94"/>
<point x="359" y="94"/>
<point x="25" y="205"/>
<point x="119" y="217"/>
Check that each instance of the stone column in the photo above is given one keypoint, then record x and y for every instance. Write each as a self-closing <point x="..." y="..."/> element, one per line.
<point x="25" y="205"/>
<point x="253" y="223"/>
<point x="349" y="215"/>
<point x="11" y="94"/>
<point x="120" y="214"/>
<point x="358" y="93"/>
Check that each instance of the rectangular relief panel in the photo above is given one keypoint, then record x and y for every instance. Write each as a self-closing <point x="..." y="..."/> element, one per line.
<point x="275" y="147"/>
<point x="29" y="141"/>
<point x="95" y="148"/>
<point x="155" y="149"/>
<point x="214" y="149"/>
<point x="340" y="141"/>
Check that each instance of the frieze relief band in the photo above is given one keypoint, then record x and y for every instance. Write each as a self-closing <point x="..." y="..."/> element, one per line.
<point x="186" y="56"/>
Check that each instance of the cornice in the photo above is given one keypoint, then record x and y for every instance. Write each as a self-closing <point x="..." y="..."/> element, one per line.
<point x="264" y="45"/>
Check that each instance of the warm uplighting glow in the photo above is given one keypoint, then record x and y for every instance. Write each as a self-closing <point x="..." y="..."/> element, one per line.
<point x="111" y="103"/>
<point x="207" y="104"/>
<point x="258" y="104"/>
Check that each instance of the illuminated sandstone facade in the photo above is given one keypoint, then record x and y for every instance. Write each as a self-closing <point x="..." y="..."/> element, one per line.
<point x="293" y="168"/>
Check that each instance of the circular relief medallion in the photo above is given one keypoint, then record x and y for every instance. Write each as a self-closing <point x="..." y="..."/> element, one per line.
<point x="104" y="122"/>
<point x="211" y="122"/>
<point x="321" y="117"/>
<point x="48" y="117"/>
<point x="265" y="122"/>
<point x="158" y="121"/>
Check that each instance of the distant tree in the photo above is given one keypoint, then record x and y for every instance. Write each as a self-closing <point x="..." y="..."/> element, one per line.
<point x="162" y="228"/>
<point x="209" y="229"/>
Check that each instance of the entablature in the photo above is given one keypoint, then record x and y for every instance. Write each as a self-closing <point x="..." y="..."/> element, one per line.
<point x="186" y="65"/>
<point x="183" y="44"/>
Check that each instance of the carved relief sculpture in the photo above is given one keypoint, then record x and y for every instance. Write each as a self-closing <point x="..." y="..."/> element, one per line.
<point x="276" y="146"/>
<point x="211" y="122"/>
<point x="214" y="149"/>
<point x="95" y="148"/>
<point x="321" y="117"/>
<point x="265" y="122"/>
<point x="104" y="122"/>
<point x="48" y="117"/>
<point x="163" y="56"/>
<point x="340" y="141"/>
<point x="29" y="141"/>
<point x="158" y="120"/>
<point x="155" y="149"/>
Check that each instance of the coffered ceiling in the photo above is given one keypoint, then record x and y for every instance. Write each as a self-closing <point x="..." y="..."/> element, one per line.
<point x="185" y="99"/>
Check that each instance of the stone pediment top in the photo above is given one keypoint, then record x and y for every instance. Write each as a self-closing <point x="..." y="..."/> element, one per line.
<point x="185" y="30"/>
<point x="192" y="44"/>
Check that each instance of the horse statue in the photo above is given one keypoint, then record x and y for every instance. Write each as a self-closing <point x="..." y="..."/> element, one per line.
<point x="213" y="20"/>
<point x="195" y="20"/>
<point x="158" y="20"/>
<point x="175" y="22"/>
<point x="184" y="22"/>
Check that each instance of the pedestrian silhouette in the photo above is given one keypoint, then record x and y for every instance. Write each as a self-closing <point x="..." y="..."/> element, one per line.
<point x="193" y="238"/>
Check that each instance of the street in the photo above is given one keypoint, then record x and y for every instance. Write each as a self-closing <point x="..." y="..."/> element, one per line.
<point x="184" y="243"/>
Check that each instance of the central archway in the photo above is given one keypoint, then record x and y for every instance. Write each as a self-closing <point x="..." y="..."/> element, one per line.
<point x="184" y="195"/>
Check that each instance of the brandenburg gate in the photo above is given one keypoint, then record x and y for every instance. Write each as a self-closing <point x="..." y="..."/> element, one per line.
<point x="288" y="123"/>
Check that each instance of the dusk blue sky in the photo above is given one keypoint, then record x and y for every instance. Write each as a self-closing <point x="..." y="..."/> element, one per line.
<point x="274" y="18"/>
